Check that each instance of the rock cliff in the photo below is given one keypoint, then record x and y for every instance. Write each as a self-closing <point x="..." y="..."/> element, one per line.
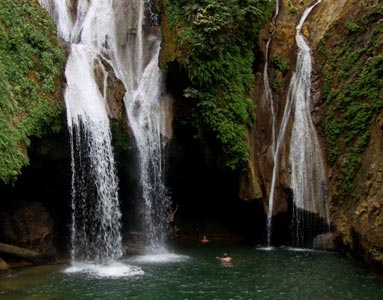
<point x="346" y="39"/>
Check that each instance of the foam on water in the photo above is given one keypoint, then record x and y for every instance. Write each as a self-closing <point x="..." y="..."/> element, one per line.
<point x="160" y="258"/>
<point x="293" y="249"/>
<point x="268" y="248"/>
<point x="112" y="270"/>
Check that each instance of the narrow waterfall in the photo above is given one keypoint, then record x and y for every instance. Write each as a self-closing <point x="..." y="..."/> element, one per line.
<point x="269" y="99"/>
<point x="308" y="180"/>
<point x="147" y="119"/>
<point x="96" y="216"/>
<point x="148" y="113"/>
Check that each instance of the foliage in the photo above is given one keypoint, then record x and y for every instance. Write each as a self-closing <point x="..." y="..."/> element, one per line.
<point x="216" y="40"/>
<point x="353" y="92"/>
<point x="280" y="64"/>
<point x="352" y="28"/>
<point x="30" y="69"/>
<point x="292" y="9"/>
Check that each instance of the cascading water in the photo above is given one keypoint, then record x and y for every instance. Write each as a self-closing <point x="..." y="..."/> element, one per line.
<point x="96" y="216"/>
<point x="147" y="120"/>
<point x="147" y="111"/>
<point x="308" y="180"/>
<point x="113" y="31"/>
<point x="269" y="99"/>
<point x="96" y="236"/>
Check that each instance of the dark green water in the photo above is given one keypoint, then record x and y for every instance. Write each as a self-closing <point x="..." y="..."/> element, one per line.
<point x="196" y="274"/>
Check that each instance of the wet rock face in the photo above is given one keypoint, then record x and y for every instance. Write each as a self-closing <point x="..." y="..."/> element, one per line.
<point x="115" y="89"/>
<point x="359" y="220"/>
<point x="28" y="225"/>
<point x="356" y="217"/>
<point x="4" y="268"/>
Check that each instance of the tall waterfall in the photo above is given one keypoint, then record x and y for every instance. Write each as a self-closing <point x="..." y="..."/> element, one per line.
<point x="308" y="180"/>
<point x="96" y="215"/>
<point x="112" y="32"/>
<point x="269" y="99"/>
<point x="148" y="114"/>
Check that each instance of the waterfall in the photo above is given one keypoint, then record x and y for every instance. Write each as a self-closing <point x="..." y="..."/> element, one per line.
<point x="125" y="35"/>
<point x="308" y="180"/>
<point x="96" y="215"/>
<point x="147" y="120"/>
<point x="60" y="11"/>
<point x="269" y="99"/>
<point x="148" y="114"/>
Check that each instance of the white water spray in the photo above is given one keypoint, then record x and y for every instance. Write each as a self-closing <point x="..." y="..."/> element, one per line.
<point x="308" y="180"/>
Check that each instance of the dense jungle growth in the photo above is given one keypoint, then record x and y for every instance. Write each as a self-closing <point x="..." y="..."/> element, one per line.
<point x="31" y="65"/>
<point x="353" y="89"/>
<point x="216" y="44"/>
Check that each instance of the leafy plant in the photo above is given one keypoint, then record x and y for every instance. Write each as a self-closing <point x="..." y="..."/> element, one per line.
<point x="30" y="71"/>
<point x="216" y="40"/>
<point x="353" y="93"/>
<point x="280" y="64"/>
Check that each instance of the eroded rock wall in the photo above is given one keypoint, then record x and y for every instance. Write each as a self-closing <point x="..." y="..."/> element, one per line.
<point x="346" y="39"/>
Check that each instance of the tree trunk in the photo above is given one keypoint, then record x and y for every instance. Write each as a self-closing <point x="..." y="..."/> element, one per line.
<point x="25" y="254"/>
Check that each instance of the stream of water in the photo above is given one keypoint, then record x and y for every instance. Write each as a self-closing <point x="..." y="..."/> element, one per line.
<point x="112" y="33"/>
<point x="275" y="147"/>
<point x="194" y="273"/>
<point x="95" y="232"/>
<point x="308" y="180"/>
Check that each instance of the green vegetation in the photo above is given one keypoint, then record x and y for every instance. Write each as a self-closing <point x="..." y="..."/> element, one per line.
<point x="353" y="91"/>
<point x="280" y="64"/>
<point x="292" y="9"/>
<point x="30" y="69"/>
<point x="216" y="41"/>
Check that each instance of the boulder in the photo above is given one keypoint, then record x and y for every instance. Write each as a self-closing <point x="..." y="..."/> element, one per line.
<point x="324" y="241"/>
<point x="4" y="268"/>
<point x="28" y="225"/>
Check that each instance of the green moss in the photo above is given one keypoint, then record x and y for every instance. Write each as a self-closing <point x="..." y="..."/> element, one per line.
<point x="216" y="40"/>
<point x="30" y="69"/>
<point x="293" y="11"/>
<point x="280" y="64"/>
<point x="353" y="92"/>
<point x="352" y="28"/>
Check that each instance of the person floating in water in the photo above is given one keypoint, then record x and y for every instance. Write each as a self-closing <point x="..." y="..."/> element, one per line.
<point x="204" y="240"/>
<point x="225" y="258"/>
